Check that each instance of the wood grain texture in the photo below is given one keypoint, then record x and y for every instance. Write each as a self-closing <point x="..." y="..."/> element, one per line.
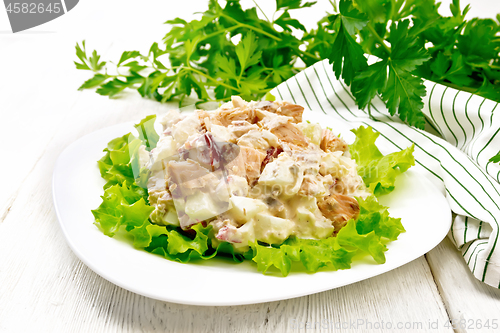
<point x="30" y="115"/>
<point x="466" y="298"/>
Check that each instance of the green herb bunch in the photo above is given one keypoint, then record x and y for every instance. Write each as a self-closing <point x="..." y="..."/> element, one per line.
<point x="202" y="57"/>
<point x="408" y="41"/>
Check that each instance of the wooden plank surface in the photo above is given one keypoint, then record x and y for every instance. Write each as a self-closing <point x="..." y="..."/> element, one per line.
<point x="471" y="304"/>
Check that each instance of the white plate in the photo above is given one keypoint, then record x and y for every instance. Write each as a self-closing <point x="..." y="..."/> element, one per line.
<point x="77" y="187"/>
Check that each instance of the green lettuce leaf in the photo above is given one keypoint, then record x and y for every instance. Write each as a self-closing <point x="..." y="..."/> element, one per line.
<point x="147" y="132"/>
<point x="125" y="210"/>
<point x="122" y="205"/>
<point x="375" y="217"/>
<point x="267" y="256"/>
<point x="125" y="207"/>
<point x="105" y="163"/>
<point x="364" y="235"/>
<point x="117" y="165"/>
<point x="349" y="237"/>
<point x="379" y="172"/>
<point x="313" y="254"/>
<point x="175" y="245"/>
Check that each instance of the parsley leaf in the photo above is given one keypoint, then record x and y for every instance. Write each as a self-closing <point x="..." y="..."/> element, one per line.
<point x="95" y="81"/>
<point x="128" y="55"/>
<point x="88" y="63"/>
<point x="285" y="21"/>
<point x="247" y="53"/>
<point x="115" y="86"/>
<point x="292" y="4"/>
<point x="403" y="94"/>
<point x="393" y="79"/>
<point x="346" y="54"/>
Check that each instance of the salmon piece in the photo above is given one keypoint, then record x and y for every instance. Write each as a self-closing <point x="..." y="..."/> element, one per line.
<point x="241" y="127"/>
<point x="339" y="209"/>
<point x="253" y="161"/>
<point x="258" y="139"/>
<point x="247" y="164"/>
<point x="330" y="142"/>
<point x="288" y="133"/>
<point x="267" y="106"/>
<point x="340" y="187"/>
<point x="291" y="110"/>
<point x="226" y="117"/>
<point x="283" y="109"/>
<point x="238" y="102"/>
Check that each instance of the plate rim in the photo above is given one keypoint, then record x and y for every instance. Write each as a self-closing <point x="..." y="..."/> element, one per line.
<point x="81" y="256"/>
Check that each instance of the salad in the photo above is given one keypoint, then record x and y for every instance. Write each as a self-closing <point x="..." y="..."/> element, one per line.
<point x="250" y="181"/>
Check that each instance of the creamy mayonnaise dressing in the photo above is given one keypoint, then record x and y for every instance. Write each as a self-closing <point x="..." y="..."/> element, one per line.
<point x="254" y="171"/>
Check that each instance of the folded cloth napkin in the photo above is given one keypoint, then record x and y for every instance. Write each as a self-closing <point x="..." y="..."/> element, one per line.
<point x="455" y="158"/>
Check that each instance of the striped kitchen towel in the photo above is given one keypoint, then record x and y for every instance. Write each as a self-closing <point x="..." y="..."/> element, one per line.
<point x="455" y="159"/>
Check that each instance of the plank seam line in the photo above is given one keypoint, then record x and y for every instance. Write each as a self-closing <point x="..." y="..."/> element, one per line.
<point x="266" y="319"/>
<point x="439" y="292"/>
<point x="9" y="206"/>
<point x="14" y="196"/>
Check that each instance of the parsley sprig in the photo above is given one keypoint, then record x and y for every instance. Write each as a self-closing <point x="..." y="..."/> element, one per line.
<point x="408" y="41"/>
<point x="201" y="56"/>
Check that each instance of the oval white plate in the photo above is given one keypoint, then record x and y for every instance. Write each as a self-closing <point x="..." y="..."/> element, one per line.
<point x="77" y="187"/>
